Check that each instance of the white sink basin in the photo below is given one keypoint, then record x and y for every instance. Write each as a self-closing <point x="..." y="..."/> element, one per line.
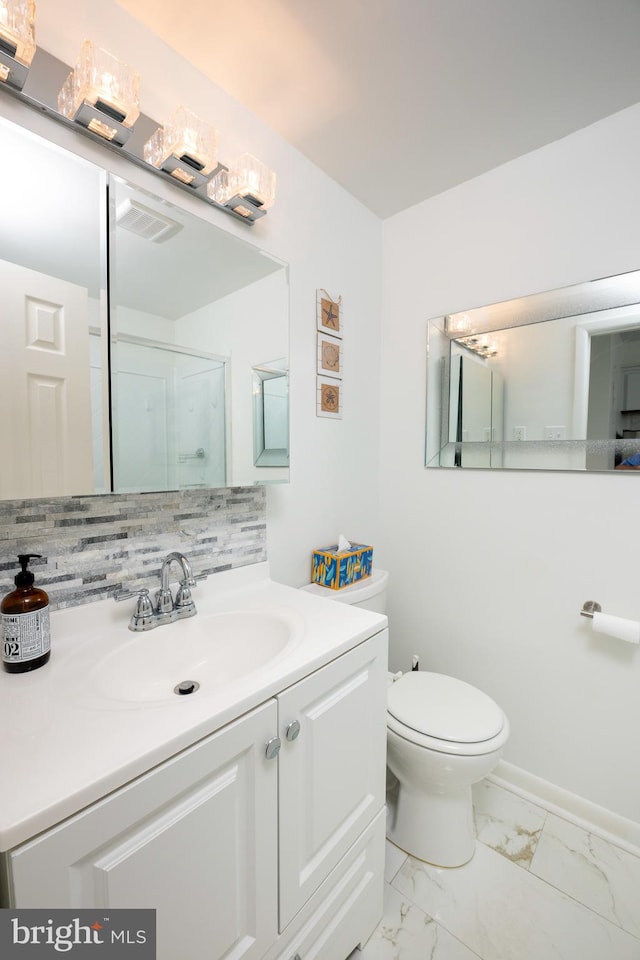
<point x="206" y="651"/>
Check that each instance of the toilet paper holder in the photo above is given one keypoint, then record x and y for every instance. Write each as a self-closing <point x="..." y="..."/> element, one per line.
<point x="589" y="608"/>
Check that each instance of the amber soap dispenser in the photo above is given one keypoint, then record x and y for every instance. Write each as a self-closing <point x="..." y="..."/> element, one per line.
<point x="24" y="618"/>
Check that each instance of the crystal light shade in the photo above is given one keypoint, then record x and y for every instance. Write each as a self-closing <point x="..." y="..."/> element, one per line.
<point x="458" y="325"/>
<point x="480" y="345"/>
<point x="102" y="93"/>
<point x="186" y="147"/>
<point x="247" y="186"/>
<point x="17" y="40"/>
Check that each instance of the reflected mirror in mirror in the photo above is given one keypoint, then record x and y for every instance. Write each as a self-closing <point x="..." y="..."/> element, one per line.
<point x="271" y="414"/>
<point x="52" y="335"/>
<point x="550" y="381"/>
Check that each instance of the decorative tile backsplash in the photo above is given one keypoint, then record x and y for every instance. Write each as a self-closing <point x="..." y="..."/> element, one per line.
<point x="94" y="546"/>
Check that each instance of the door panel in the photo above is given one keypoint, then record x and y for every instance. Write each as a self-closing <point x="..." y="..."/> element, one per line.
<point x="332" y="776"/>
<point x="44" y="343"/>
<point x="194" y="840"/>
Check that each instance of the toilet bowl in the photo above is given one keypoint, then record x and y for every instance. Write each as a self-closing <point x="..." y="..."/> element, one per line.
<point x="443" y="735"/>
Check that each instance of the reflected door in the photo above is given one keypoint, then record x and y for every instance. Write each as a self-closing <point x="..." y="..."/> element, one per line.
<point x="45" y="391"/>
<point x="471" y="403"/>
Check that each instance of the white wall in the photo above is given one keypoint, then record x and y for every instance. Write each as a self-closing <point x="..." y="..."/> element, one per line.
<point x="490" y="569"/>
<point x="329" y="239"/>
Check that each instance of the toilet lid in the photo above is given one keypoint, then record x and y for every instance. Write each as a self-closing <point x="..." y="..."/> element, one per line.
<point x="445" y="708"/>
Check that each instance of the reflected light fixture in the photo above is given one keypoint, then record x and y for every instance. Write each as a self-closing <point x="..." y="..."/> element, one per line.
<point x="480" y="345"/>
<point x="17" y="40"/>
<point x="186" y="148"/>
<point x="102" y="94"/>
<point x="247" y="187"/>
<point x="457" y="324"/>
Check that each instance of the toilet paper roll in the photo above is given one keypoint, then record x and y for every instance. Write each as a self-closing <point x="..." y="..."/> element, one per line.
<point x="618" y="627"/>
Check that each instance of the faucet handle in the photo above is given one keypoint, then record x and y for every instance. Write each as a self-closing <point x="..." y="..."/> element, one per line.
<point x="184" y="605"/>
<point x="128" y="594"/>
<point x="143" y="616"/>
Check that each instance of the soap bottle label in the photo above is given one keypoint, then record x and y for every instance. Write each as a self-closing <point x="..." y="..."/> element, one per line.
<point x="25" y="635"/>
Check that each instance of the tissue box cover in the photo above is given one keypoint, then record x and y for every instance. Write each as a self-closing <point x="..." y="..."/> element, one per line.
<point x="336" y="570"/>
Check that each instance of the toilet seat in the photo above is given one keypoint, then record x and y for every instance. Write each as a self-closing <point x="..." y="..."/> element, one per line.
<point x="444" y="714"/>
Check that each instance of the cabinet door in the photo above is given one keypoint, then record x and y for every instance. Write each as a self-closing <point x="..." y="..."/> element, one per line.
<point x="332" y="775"/>
<point x="195" y="839"/>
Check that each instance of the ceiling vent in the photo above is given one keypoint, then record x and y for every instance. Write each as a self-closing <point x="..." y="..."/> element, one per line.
<point x="145" y="222"/>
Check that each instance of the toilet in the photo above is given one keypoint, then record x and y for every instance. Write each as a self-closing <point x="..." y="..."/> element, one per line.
<point x="443" y="735"/>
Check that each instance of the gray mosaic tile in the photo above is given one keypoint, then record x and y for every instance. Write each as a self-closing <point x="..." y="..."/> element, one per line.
<point x="92" y="547"/>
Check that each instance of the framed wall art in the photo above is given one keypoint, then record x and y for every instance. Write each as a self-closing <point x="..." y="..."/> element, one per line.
<point x="330" y="356"/>
<point x="329" y="397"/>
<point x="329" y="316"/>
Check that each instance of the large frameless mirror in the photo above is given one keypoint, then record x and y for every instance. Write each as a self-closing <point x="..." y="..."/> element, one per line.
<point x="546" y="382"/>
<point x="148" y="387"/>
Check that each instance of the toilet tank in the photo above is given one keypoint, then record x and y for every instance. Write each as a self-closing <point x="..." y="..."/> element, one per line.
<point x="370" y="593"/>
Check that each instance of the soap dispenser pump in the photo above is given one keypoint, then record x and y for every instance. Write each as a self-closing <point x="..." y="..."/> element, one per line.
<point x="24" y="618"/>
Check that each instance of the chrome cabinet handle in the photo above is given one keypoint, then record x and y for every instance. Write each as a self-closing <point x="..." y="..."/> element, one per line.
<point x="272" y="748"/>
<point x="292" y="730"/>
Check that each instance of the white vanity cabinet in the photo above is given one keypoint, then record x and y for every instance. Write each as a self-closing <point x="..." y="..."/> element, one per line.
<point x="242" y="856"/>
<point x="332" y="775"/>
<point x="193" y="839"/>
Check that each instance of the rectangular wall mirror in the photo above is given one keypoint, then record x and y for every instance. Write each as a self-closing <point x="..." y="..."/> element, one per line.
<point x="146" y="385"/>
<point x="271" y="414"/>
<point x="546" y="382"/>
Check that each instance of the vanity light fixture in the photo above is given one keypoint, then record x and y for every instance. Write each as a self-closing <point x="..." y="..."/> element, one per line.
<point x="186" y="148"/>
<point x="479" y="345"/>
<point x="17" y="40"/>
<point x="102" y="94"/>
<point x="457" y="325"/>
<point x="101" y="98"/>
<point x="247" y="187"/>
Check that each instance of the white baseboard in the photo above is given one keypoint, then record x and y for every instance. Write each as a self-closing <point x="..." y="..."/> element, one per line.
<point x="597" y="820"/>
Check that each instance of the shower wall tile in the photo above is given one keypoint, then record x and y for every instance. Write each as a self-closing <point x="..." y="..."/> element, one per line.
<point x="93" y="547"/>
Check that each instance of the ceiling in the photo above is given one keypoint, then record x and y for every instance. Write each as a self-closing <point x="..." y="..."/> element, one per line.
<point x="398" y="100"/>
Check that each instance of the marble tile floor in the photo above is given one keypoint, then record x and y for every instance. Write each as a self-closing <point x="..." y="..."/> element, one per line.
<point x="537" y="888"/>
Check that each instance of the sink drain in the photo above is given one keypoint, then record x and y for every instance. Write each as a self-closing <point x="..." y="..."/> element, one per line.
<point x="186" y="687"/>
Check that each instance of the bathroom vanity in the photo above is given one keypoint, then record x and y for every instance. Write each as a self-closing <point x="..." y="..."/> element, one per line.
<point x="249" y="813"/>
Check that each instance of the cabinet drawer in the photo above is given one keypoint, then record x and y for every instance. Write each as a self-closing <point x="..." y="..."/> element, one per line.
<point x="345" y="910"/>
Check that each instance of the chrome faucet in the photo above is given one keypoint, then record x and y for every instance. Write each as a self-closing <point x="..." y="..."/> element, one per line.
<point x="164" y="609"/>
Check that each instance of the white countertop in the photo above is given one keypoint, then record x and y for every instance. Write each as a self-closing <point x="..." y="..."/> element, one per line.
<point x="64" y="747"/>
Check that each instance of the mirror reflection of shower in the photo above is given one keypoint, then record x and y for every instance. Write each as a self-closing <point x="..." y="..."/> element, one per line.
<point x="169" y="422"/>
<point x="191" y="310"/>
